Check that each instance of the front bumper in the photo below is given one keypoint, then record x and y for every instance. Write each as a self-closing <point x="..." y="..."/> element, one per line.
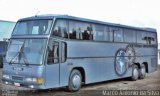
<point x="23" y="84"/>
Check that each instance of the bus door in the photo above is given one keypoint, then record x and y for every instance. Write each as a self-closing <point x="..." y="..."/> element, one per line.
<point x="52" y="72"/>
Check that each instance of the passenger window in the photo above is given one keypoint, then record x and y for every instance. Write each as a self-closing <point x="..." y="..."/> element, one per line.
<point x="106" y="34"/>
<point x="80" y="30"/>
<point x="154" y="40"/>
<point x="151" y="38"/>
<point x="142" y="37"/>
<point x="53" y="53"/>
<point x="111" y="32"/>
<point x="98" y="32"/>
<point x="60" y="28"/>
<point x="75" y="31"/>
<point x="129" y="35"/>
<point x="118" y="34"/>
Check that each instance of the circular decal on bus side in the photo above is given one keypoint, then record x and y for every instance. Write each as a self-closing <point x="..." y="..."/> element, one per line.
<point x="124" y="58"/>
<point x="121" y="65"/>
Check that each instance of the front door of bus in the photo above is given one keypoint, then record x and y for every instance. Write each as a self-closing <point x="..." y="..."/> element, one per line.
<point x="53" y="65"/>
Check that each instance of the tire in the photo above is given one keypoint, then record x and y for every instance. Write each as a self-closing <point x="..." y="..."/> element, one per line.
<point x="142" y="72"/>
<point x="135" y="73"/>
<point x="75" y="80"/>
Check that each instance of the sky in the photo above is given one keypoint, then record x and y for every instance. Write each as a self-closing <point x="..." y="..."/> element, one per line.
<point x="139" y="13"/>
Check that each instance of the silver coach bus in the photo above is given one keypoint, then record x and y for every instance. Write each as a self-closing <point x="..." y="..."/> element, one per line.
<point x="50" y="51"/>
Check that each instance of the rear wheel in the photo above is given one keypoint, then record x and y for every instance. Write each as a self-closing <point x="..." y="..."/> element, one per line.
<point x="75" y="80"/>
<point x="135" y="73"/>
<point x="142" y="72"/>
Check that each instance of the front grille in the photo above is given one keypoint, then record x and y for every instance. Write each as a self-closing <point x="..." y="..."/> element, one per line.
<point x="17" y="78"/>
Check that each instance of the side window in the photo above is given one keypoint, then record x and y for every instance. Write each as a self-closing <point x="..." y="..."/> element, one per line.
<point x="74" y="32"/>
<point x="151" y="38"/>
<point x="129" y="35"/>
<point x="64" y="52"/>
<point x="87" y="34"/>
<point x="53" y="53"/>
<point x="80" y="30"/>
<point x="21" y="28"/>
<point x="98" y="32"/>
<point x="139" y="37"/>
<point x="106" y="34"/>
<point x="154" y="39"/>
<point x="117" y="34"/>
<point x="111" y="32"/>
<point x="142" y="37"/>
<point x="60" y="28"/>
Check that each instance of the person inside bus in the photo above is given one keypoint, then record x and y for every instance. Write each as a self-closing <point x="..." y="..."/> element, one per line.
<point x="89" y="30"/>
<point x="64" y="33"/>
<point x="42" y="30"/>
<point x="50" y="56"/>
<point x="53" y="54"/>
<point x="61" y="32"/>
<point x="73" y="34"/>
<point x="85" y="35"/>
<point x="55" y="31"/>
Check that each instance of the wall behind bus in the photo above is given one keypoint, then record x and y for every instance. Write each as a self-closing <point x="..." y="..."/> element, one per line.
<point x="6" y="28"/>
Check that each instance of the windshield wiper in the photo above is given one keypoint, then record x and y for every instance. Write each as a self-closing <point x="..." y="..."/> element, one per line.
<point x="20" y="54"/>
<point x="11" y="61"/>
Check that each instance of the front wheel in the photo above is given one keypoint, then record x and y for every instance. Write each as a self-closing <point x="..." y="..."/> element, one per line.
<point x="142" y="71"/>
<point x="135" y="73"/>
<point x="75" y="80"/>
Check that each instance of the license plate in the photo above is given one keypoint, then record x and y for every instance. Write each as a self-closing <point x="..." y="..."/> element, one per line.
<point x="16" y="84"/>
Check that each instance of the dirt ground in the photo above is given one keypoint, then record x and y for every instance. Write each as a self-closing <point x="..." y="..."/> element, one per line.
<point x="146" y="86"/>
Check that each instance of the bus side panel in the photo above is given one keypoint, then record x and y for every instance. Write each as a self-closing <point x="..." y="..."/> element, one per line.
<point x="101" y="69"/>
<point x="65" y="70"/>
<point x="97" y="59"/>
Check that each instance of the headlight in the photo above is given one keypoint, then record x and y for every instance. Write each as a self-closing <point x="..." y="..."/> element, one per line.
<point x="6" y="76"/>
<point x="34" y="80"/>
<point x="31" y="79"/>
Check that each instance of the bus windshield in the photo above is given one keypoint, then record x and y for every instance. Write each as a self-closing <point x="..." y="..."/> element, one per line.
<point x="32" y="27"/>
<point x="26" y="51"/>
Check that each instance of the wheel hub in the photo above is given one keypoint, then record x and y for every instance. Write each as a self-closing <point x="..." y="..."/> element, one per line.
<point x="143" y="71"/>
<point x="135" y="73"/>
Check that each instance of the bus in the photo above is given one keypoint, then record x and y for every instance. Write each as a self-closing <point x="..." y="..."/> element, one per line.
<point x="6" y="28"/>
<point x="52" y="51"/>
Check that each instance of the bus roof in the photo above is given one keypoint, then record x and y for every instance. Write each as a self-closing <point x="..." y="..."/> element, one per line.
<point x="51" y="16"/>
